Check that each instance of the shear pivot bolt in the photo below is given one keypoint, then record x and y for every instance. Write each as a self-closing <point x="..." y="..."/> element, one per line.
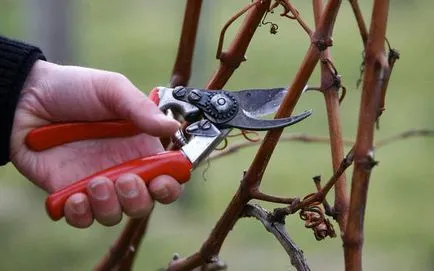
<point x="179" y="92"/>
<point x="191" y="129"/>
<point x="205" y="125"/>
<point x="194" y="95"/>
<point x="221" y="103"/>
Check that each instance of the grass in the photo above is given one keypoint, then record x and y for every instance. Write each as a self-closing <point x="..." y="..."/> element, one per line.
<point x="135" y="38"/>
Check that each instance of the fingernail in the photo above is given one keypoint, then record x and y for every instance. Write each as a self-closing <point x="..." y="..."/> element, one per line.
<point x="99" y="189"/>
<point x="78" y="206"/>
<point x="161" y="192"/>
<point x="127" y="187"/>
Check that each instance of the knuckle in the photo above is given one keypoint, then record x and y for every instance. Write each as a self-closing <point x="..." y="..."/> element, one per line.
<point x="106" y="85"/>
<point x="118" y="77"/>
<point x="113" y="78"/>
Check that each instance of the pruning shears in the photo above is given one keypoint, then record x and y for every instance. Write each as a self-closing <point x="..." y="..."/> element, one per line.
<point x="211" y="115"/>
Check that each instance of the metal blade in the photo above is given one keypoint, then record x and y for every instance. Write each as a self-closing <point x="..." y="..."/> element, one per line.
<point x="239" y="109"/>
<point x="260" y="102"/>
<point x="246" y="122"/>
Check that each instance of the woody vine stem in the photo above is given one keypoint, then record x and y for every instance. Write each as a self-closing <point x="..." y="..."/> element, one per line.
<point x="347" y="210"/>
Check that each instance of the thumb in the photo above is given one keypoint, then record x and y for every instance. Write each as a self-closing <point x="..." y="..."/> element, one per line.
<point x="120" y="95"/>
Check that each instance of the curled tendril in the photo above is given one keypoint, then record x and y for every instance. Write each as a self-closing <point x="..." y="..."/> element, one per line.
<point x="251" y="136"/>
<point x="274" y="27"/>
<point x="314" y="218"/>
<point x="247" y="135"/>
<point x="225" y="144"/>
<point x="205" y="170"/>
<point x="290" y="12"/>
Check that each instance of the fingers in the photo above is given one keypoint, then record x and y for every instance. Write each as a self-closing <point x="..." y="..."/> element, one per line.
<point x="165" y="189"/>
<point x="119" y="94"/>
<point x="51" y="90"/>
<point x="105" y="202"/>
<point x="133" y="196"/>
<point x="77" y="211"/>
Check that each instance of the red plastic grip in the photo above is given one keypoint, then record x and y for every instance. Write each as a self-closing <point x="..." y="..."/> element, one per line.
<point x="49" y="136"/>
<point x="172" y="163"/>
<point x="154" y="96"/>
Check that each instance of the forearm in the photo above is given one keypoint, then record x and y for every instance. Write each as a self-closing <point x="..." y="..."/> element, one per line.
<point x="16" y="61"/>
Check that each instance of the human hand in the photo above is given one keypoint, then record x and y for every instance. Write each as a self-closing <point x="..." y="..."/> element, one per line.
<point x="54" y="93"/>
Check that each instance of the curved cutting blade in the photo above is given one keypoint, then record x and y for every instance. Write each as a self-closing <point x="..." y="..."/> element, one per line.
<point x="260" y="102"/>
<point x="239" y="109"/>
<point x="243" y="121"/>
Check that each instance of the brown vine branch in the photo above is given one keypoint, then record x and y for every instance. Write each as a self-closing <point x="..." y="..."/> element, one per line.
<point x="129" y="257"/>
<point x="182" y="68"/>
<point x="327" y="208"/>
<point x="393" y="53"/>
<point x="226" y="26"/>
<point x="232" y="58"/>
<point x="360" y="21"/>
<point x="256" y="194"/>
<point x="404" y="135"/>
<point x="330" y="85"/>
<point x="322" y="193"/>
<point x="277" y="228"/>
<point x="119" y="248"/>
<point x="375" y="67"/>
<point x="214" y="264"/>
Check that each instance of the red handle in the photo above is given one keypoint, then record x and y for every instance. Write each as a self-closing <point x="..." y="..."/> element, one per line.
<point x="53" y="135"/>
<point x="172" y="163"/>
<point x="49" y="136"/>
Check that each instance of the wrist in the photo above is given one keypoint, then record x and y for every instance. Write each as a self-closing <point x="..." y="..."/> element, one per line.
<point x="16" y="62"/>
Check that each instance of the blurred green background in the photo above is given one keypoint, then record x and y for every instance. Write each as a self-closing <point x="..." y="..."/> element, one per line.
<point x="139" y="39"/>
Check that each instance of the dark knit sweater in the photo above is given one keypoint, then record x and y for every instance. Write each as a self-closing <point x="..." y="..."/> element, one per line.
<point x="16" y="61"/>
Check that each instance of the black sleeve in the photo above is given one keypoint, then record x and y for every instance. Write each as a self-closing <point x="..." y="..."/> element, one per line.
<point x="16" y="61"/>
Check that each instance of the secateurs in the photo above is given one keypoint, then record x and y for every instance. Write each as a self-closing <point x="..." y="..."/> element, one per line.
<point x="211" y="114"/>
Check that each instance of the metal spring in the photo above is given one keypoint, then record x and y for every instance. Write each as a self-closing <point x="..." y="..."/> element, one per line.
<point x="179" y="139"/>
